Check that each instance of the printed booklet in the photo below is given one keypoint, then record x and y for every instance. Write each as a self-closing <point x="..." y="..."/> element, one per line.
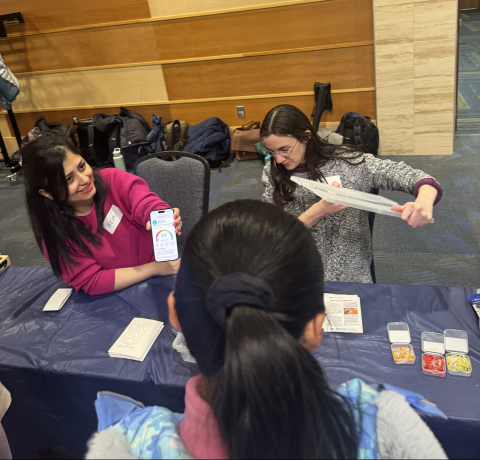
<point x="137" y="339"/>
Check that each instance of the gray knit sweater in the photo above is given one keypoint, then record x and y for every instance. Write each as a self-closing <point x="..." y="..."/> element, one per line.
<point x="344" y="239"/>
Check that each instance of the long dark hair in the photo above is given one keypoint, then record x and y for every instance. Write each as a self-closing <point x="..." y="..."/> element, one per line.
<point x="268" y="393"/>
<point x="53" y="221"/>
<point x="288" y="120"/>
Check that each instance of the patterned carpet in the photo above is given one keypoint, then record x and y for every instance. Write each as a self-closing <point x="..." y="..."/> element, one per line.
<point x="469" y="74"/>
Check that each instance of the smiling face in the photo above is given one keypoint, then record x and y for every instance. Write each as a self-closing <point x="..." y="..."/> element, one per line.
<point x="286" y="150"/>
<point x="80" y="180"/>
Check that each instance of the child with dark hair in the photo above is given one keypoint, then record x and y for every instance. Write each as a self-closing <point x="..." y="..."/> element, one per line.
<point x="249" y="301"/>
<point x="342" y="234"/>
<point x="69" y="204"/>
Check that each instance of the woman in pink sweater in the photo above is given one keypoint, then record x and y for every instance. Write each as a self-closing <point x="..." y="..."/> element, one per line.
<point x="68" y="204"/>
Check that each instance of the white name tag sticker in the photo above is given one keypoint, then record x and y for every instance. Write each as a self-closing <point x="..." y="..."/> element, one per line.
<point x="112" y="220"/>
<point x="330" y="180"/>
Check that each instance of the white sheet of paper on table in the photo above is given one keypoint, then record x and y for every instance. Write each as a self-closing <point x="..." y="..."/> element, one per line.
<point x="58" y="299"/>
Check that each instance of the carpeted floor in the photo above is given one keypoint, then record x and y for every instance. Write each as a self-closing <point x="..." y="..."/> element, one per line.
<point x="469" y="74"/>
<point x="443" y="253"/>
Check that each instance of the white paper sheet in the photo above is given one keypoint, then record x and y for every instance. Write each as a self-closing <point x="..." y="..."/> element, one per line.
<point x="58" y="299"/>
<point x="434" y="347"/>
<point x="454" y="344"/>
<point x="399" y="336"/>
<point x="344" y="313"/>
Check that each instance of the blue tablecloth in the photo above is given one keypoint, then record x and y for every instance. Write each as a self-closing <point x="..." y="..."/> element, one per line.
<point x="54" y="363"/>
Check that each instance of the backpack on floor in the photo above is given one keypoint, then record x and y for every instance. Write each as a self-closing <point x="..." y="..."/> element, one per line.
<point x="359" y="130"/>
<point x="93" y="143"/>
<point x="128" y="131"/>
<point x="175" y="135"/>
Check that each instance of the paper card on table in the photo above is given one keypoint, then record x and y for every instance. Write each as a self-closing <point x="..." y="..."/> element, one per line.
<point x="456" y="344"/>
<point x="344" y="313"/>
<point x="58" y="299"/>
<point x="399" y="336"/>
<point x="137" y="339"/>
<point x="434" y="347"/>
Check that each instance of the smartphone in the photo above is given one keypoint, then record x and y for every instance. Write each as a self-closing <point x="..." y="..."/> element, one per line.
<point x="164" y="236"/>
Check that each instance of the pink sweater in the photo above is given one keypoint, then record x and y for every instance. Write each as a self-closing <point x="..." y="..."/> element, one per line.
<point x="199" y="429"/>
<point x="129" y="246"/>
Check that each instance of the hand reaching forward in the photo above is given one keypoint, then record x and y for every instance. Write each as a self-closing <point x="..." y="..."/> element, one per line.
<point x="416" y="214"/>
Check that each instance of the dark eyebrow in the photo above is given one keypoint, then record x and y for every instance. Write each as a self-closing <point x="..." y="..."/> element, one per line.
<point x="78" y="166"/>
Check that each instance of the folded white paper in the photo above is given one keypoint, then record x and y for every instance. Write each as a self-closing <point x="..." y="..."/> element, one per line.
<point x="137" y="339"/>
<point x="57" y="301"/>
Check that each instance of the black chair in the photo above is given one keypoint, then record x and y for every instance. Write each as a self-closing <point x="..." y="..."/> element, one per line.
<point x="183" y="183"/>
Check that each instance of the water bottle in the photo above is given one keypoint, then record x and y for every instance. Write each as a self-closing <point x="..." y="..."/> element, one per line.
<point x="118" y="159"/>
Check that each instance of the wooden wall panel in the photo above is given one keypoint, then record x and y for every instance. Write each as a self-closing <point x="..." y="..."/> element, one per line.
<point x="4" y="126"/>
<point x="162" y="8"/>
<point x="81" y="48"/>
<point x="256" y="109"/>
<point x="164" y="110"/>
<point x="127" y="85"/>
<point x="315" y="24"/>
<point x="55" y="14"/>
<point x="345" y="68"/>
<point x="467" y="4"/>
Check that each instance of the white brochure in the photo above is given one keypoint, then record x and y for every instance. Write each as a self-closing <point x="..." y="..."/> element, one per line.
<point x="137" y="339"/>
<point x="344" y="313"/>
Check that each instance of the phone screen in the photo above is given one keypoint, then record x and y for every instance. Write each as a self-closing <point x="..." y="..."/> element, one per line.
<point x="164" y="236"/>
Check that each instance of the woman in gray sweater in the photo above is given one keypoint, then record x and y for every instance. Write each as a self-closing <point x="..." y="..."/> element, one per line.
<point x="342" y="234"/>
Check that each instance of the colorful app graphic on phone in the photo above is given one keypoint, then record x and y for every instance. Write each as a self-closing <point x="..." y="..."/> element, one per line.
<point x="164" y="236"/>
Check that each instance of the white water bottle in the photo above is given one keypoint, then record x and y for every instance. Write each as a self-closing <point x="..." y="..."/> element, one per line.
<point x="118" y="159"/>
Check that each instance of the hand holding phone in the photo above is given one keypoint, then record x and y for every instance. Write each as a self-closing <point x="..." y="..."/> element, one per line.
<point x="164" y="236"/>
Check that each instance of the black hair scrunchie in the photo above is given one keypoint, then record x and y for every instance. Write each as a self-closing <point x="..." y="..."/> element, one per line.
<point x="237" y="289"/>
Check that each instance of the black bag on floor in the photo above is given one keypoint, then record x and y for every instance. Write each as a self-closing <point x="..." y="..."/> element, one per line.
<point x="93" y="143"/>
<point x="323" y="101"/>
<point x="359" y="130"/>
<point x="128" y="130"/>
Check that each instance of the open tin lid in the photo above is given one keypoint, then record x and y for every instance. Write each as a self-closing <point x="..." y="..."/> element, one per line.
<point x="433" y="342"/>
<point x="351" y="198"/>
<point x="456" y="340"/>
<point x="398" y="333"/>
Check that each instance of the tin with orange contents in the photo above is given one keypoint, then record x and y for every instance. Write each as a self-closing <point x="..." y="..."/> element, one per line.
<point x="399" y="336"/>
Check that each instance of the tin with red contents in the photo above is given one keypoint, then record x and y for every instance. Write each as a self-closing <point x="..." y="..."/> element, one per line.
<point x="434" y="364"/>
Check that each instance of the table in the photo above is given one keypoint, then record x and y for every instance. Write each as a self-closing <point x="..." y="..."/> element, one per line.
<point x="54" y="363"/>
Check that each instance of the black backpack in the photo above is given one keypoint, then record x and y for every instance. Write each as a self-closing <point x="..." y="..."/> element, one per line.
<point x="359" y="130"/>
<point x="94" y="144"/>
<point x="128" y="131"/>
